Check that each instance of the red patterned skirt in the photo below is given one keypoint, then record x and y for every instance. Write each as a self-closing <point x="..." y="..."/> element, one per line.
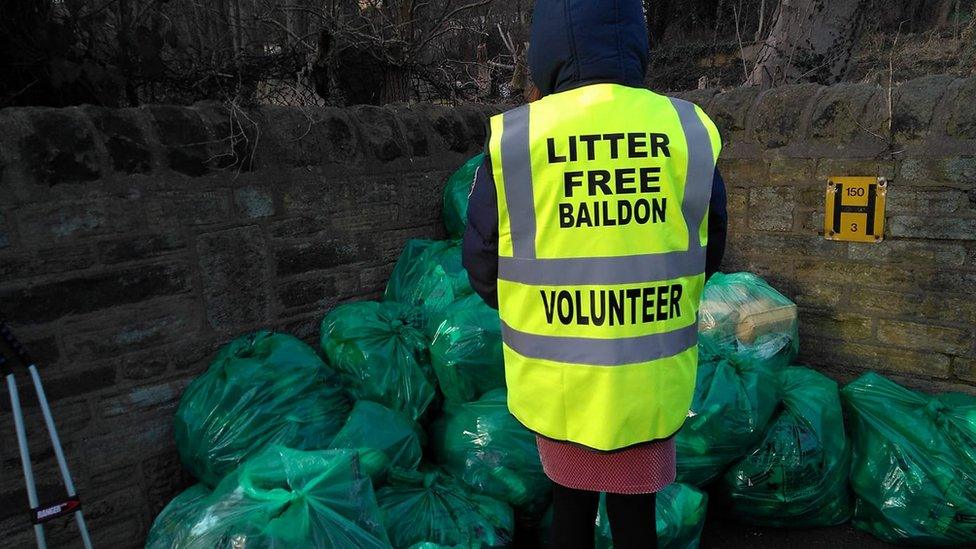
<point x="641" y="469"/>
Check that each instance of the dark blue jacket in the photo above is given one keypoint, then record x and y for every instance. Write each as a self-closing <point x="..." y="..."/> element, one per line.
<point x="574" y="43"/>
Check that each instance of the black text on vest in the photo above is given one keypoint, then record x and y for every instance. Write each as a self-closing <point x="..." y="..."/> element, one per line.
<point x="604" y="197"/>
<point x="612" y="307"/>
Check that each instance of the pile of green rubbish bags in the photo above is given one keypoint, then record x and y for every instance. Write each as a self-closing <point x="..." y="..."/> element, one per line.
<point x="395" y="432"/>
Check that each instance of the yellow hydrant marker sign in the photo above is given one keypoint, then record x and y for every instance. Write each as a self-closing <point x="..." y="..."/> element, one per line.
<point x="855" y="209"/>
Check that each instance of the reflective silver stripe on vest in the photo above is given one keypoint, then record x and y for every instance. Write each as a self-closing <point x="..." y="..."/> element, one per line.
<point x="627" y="269"/>
<point x="701" y="169"/>
<point x="601" y="352"/>
<point x="517" y="171"/>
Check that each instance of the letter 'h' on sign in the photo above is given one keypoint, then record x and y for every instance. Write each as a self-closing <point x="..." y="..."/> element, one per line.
<point x="855" y="209"/>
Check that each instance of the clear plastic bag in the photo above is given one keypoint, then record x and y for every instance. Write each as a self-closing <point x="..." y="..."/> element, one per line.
<point x="797" y="476"/>
<point x="280" y="498"/>
<point x="434" y="508"/>
<point x="743" y="319"/>
<point x="482" y="444"/>
<point x="466" y="350"/>
<point x="261" y="389"/>
<point x="429" y="276"/>
<point x="456" y="194"/>
<point x="381" y="353"/>
<point x="376" y="427"/>
<point x="914" y="462"/>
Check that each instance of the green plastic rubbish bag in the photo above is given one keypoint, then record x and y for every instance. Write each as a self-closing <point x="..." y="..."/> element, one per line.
<point x="680" y="513"/>
<point x="429" y="275"/>
<point x="732" y="404"/>
<point x="797" y="475"/>
<point x="381" y="353"/>
<point x="431" y="507"/>
<point x="172" y="520"/>
<point x="261" y="389"/>
<point x="456" y="194"/>
<point x="374" y="426"/>
<point x="466" y="350"/>
<point x="743" y="319"/>
<point x="914" y="462"/>
<point x="485" y="447"/>
<point x="283" y="498"/>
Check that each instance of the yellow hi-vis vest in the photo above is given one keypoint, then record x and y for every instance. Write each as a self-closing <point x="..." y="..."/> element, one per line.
<point x="602" y="193"/>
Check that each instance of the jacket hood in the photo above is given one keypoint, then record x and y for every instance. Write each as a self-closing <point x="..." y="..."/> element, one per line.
<point x="578" y="42"/>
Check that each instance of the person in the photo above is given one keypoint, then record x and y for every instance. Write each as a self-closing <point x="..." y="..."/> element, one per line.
<point x="593" y="223"/>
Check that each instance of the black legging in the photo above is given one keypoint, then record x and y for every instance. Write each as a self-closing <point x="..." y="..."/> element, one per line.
<point x="632" y="519"/>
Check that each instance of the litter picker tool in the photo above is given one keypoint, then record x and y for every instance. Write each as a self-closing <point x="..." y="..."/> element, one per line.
<point x="72" y="504"/>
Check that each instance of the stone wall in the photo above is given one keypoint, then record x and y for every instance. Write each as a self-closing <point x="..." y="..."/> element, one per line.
<point x="134" y="242"/>
<point x="906" y="306"/>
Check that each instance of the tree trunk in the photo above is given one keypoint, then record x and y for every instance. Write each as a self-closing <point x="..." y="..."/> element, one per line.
<point x="396" y="86"/>
<point x="811" y="40"/>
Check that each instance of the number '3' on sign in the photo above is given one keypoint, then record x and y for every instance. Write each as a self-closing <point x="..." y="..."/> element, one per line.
<point x="855" y="208"/>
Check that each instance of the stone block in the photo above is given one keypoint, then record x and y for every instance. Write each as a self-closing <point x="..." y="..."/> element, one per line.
<point x="933" y="227"/>
<point x="317" y="255"/>
<point x="87" y="293"/>
<point x="55" y="260"/>
<point x="829" y="167"/>
<point x="852" y="273"/>
<point x="416" y="129"/>
<point x="917" y="252"/>
<point x="160" y="396"/>
<point x="233" y="269"/>
<point x="82" y="380"/>
<point x="883" y="358"/>
<point x="779" y="115"/>
<point x="190" y="354"/>
<point x="381" y="132"/>
<point x="136" y="248"/>
<point x="60" y="147"/>
<point x="137" y="332"/>
<point x="917" y="336"/>
<point x="748" y="172"/>
<point x="952" y="281"/>
<point x="184" y="137"/>
<point x="962" y="115"/>
<point x="791" y="170"/>
<point x="61" y="221"/>
<point x="318" y="293"/>
<point x="124" y="138"/>
<point x="793" y="245"/>
<point x="254" y="202"/>
<point x="953" y="171"/>
<point x="835" y="325"/>
<point x="914" y="303"/>
<point x="913" y="104"/>
<point x="449" y="126"/>
<point x="175" y="208"/>
<point x="164" y="478"/>
<point x="964" y="368"/>
<point x="477" y="122"/>
<point x="730" y="110"/>
<point x="849" y="113"/>
<point x="235" y="135"/>
<point x="771" y="208"/>
<point x="813" y="294"/>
